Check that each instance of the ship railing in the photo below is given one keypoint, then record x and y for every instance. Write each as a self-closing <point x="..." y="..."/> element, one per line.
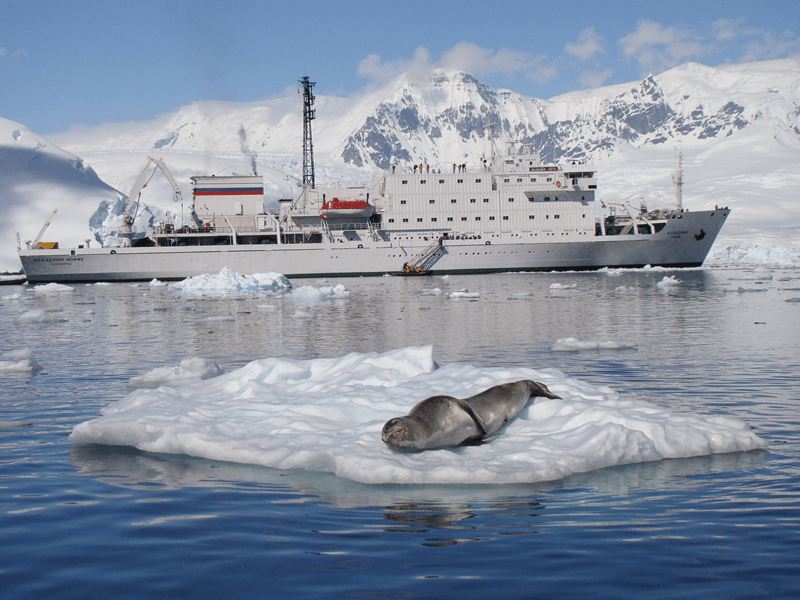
<point x="346" y="226"/>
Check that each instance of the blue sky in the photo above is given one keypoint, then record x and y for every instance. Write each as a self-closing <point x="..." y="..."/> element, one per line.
<point x="79" y="62"/>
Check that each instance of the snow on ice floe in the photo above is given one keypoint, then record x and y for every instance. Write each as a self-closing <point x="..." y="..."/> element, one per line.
<point x="562" y="286"/>
<point x="228" y="281"/>
<point x="327" y="415"/>
<point x="571" y="344"/>
<point x="190" y="369"/>
<point x="19" y="361"/>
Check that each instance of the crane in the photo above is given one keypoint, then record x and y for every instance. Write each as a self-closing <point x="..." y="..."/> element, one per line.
<point x="126" y="231"/>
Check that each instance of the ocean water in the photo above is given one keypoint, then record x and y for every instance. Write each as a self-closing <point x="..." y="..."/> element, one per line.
<point x="88" y="520"/>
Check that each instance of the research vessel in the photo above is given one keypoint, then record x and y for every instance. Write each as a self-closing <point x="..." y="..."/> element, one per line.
<point x="507" y="213"/>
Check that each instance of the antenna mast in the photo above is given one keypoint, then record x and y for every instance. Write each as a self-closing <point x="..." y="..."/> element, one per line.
<point x="308" y="146"/>
<point x="678" y="179"/>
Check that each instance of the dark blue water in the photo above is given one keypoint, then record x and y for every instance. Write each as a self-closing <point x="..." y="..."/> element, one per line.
<point x="93" y="521"/>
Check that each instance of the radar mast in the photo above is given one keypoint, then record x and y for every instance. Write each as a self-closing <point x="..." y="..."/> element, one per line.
<point x="308" y="146"/>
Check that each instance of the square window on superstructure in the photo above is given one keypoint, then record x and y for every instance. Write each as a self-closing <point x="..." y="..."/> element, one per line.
<point x="463" y="218"/>
<point x="449" y="218"/>
<point x="477" y="218"/>
<point x="556" y="216"/>
<point x="460" y="181"/>
<point x="486" y="200"/>
<point x="391" y="220"/>
<point x="405" y="181"/>
<point x="452" y="200"/>
<point x="491" y="218"/>
<point x="419" y="219"/>
<point x="505" y="218"/>
<point x="405" y="220"/>
<point x="433" y="219"/>
<point x="531" y="216"/>
<point x="533" y="179"/>
<point x="441" y="181"/>
<point x="472" y="201"/>
<point x="519" y="180"/>
<point x="402" y="201"/>
<point x="477" y="181"/>
<point x="506" y="180"/>
<point x="510" y="199"/>
<point x="431" y="201"/>
<point x="423" y="181"/>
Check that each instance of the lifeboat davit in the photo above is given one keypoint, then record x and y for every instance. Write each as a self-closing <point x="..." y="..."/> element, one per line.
<point x="346" y="208"/>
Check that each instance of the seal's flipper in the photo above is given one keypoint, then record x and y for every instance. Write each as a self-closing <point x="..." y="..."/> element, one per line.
<point x="473" y="415"/>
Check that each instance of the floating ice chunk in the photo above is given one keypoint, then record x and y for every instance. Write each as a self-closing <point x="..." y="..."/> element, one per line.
<point x="103" y="283"/>
<point x="623" y="288"/>
<point x="614" y="272"/>
<point x="465" y="293"/>
<point x="190" y="369"/>
<point x="228" y="281"/>
<point x="11" y="297"/>
<point x="562" y="286"/>
<point x="19" y="361"/>
<point x="327" y="415"/>
<point x="792" y="300"/>
<point x="668" y="282"/>
<point x="216" y="319"/>
<point x="309" y="293"/>
<point x="37" y="315"/>
<point x="48" y="288"/>
<point x="742" y="290"/>
<point x="572" y="344"/>
<point x="157" y="283"/>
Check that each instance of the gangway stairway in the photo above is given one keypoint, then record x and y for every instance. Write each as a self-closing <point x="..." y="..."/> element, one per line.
<point x="422" y="262"/>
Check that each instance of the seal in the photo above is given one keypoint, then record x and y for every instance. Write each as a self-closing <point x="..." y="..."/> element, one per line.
<point x="446" y="422"/>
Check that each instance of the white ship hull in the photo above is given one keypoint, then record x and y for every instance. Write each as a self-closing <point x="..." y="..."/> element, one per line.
<point x="683" y="242"/>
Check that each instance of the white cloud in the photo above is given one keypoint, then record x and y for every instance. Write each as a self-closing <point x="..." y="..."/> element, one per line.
<point x="589" y="44"/>
<point x="373" y="67"/>
<point x="658" y="48"/>
<point x="464" y="56"/>
<point x="771" y="45"/>
<point x="593" y="79"/>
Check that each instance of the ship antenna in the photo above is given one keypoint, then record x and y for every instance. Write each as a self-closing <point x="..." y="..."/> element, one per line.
<point x="308" y="146"/>
<point x="678" y="179"/>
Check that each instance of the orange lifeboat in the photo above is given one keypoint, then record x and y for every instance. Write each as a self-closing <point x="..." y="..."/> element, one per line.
<point x="346" y="208"/>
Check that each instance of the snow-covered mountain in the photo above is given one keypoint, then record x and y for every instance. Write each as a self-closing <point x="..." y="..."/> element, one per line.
<point x="738" y="127"/>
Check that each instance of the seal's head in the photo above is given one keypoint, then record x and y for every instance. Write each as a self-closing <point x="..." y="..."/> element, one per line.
<point x="398" y="434"/>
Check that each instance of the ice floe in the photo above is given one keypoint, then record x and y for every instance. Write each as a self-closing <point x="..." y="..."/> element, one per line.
<point x="19" y="361"/>
<point x="228" y="281"/>
<point x="190" y="369"/>
<point x="327" y="414"/>
<point x="571" y="344"/>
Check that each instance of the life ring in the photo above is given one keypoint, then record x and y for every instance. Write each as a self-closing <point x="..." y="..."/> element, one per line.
<point x="558" y="184"/>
